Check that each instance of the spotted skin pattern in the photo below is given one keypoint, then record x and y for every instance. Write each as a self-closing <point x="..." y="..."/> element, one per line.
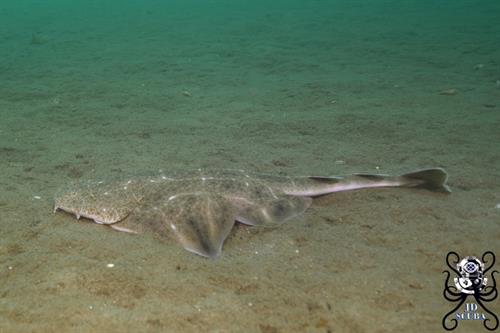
<point x="199" y="208"/>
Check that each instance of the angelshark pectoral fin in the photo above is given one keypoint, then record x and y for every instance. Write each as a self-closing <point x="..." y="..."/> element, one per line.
<point x="201" y="222"/>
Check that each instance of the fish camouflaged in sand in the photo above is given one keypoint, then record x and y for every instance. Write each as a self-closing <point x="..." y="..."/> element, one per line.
<point x="199" y="208"/>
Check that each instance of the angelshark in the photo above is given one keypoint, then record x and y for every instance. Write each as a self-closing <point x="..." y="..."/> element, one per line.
<point x="199" y="208"/>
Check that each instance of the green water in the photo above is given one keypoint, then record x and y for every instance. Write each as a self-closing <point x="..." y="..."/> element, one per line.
<point x="92" y="89"/>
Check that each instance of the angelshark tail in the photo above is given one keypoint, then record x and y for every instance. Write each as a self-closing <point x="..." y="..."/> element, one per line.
<point x="433" y="179"/>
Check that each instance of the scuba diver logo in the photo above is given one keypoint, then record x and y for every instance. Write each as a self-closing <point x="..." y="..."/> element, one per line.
<point x="471" y="276"/>
<point x="470" y="280"/>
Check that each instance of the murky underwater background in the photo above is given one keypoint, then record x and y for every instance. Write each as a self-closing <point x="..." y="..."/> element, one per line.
<point x="94" y="89"/>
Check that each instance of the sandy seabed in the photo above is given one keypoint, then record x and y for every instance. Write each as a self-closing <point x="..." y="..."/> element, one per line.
<point x="302" y="91"/>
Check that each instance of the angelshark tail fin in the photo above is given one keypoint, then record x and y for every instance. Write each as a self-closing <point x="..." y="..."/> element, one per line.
<point x="433" y="179"/>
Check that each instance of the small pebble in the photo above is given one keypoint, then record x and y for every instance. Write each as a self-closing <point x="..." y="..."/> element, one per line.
<point x="186" y="93"/>
<point x="37" y="197"/>
<point x="497" y="206"/>
<point x="110" y="265"/>
<point x="448" y="92"/>
<point x="489" y="106"/>
<point x="10" y="268"/>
